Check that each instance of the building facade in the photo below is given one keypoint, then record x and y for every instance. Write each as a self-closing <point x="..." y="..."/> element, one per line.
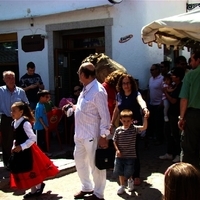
<point x="58" y="35"/>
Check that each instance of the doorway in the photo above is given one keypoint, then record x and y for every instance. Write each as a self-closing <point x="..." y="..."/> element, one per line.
<point x="68" y="60"/>
<point x="67" y="64"/>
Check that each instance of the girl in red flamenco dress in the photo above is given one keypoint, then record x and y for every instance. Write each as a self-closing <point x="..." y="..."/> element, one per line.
<point x="29" y="166"/>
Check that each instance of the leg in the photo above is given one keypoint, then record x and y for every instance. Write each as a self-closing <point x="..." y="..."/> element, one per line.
<point x="191" y="139"/>
<point x="99" y="176"/>
<point x="82" y="165"/>
<point x="136" y="174"/>
<point x="7" y="138"/>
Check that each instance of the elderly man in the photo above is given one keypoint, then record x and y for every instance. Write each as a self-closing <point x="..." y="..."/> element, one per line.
<point x="9" y="94"/>
<point x="92" y="124"/>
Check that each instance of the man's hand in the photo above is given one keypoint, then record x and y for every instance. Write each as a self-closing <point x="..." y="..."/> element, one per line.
<point x="17" y="149"/>
<point x="181" y="124"/>
<point x="103" y="143"/>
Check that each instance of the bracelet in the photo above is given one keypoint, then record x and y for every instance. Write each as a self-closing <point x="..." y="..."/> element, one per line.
<point x="180" y="118"/>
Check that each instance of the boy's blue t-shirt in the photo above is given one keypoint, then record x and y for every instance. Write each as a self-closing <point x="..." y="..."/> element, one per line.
<point x="40" y="112"/>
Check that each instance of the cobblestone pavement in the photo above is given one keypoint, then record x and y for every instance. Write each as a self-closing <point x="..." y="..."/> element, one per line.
<point x="67" y="183"/>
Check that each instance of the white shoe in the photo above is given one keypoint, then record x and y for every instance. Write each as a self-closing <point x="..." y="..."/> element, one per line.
<point x="121" y="190"/>
<point x="166" y="119"/>
<point x="176" y="159"/>
<point x="130" y="185"/>
<point x="166" y="157"/>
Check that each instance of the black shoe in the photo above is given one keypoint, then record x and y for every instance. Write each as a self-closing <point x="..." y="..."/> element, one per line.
<point x="40" y="191"/>
<point x="29" y="195"/>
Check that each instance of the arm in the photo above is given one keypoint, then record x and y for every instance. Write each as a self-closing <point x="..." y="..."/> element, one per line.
<point x="102" y="109"/>
<point x="117" y="149"/>
<point x="183" y="107"/>
<point x="115" y="114"/>
<point x="145" y="124"/>
<point x="43" y="124"/>
<point x="170" y="99"/>
<point x="142" y="104"/>
<point x="30" y="141"/>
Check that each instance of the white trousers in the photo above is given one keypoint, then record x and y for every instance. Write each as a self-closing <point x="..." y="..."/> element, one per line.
<point x="84" y="155"/>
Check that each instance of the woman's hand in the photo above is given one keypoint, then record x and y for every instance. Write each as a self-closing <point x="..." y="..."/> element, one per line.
<point x="146" y="112"/>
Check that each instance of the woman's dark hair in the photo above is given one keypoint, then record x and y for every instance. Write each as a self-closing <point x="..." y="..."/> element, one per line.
<point x="134" y="86"/>
<point x="113" y="77"/>
<point x="27" y="113"/>
<point x="178" y="72"/>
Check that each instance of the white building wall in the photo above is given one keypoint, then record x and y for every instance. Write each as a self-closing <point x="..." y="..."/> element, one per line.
<point x="128" y="18"/>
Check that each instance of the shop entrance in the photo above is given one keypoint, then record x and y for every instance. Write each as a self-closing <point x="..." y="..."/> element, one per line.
<point x="68" y="60"/>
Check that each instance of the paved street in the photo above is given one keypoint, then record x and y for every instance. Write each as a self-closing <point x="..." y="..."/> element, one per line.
<point x="67" y="183"/>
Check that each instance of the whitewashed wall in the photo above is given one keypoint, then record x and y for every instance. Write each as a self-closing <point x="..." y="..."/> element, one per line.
<point x="129" y="17"/>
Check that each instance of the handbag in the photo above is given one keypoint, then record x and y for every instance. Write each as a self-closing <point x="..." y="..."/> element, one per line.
<point x="104" y="158"/>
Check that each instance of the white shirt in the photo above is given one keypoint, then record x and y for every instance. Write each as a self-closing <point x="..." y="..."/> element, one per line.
<point x="29" y="132"/>
<point x="156" y="90"/>
<point x="92" y="117"/>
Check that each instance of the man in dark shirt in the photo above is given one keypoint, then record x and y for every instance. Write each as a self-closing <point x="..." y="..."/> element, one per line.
<point x="31" y="83"/>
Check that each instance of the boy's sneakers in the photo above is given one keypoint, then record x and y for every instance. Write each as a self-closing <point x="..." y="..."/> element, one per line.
<point x="130" y="185"/>
<point x="121" y="190"/>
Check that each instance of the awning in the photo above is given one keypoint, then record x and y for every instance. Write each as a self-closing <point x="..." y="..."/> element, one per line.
<point x="177" y="31"/>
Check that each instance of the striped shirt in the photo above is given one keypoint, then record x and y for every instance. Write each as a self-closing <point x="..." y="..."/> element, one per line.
<point x="92" y="117"/>
<point x="125" y="141"/>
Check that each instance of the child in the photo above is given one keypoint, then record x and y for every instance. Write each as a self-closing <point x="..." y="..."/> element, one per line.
<point x="124" y="142"/>
<point x="29" y="166"/>
<point x="49" y="105"/>
<point x="182" y="181"/>
<point x="41" y="121"/>
<point x="169" y="88"/>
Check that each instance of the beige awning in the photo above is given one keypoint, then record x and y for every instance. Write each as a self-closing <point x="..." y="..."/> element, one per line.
<point x="177" y="31"/>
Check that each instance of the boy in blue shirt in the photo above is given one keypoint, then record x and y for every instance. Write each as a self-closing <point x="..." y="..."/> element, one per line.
<point x="41" y="122"/>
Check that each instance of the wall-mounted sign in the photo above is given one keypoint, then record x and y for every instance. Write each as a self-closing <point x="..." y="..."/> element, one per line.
<point x="32" y="43"/>
<point x="125" y="38"/>
<point x="115" y="1"/>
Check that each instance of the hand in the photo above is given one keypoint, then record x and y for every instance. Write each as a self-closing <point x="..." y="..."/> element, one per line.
<point x="17" y="149"/>
<point x="146" y="112"/>
<point x="118" y="153"/>
<point x="32" y="86"/>
<point x="103" y="143"/>
<point x="181" y="124"/>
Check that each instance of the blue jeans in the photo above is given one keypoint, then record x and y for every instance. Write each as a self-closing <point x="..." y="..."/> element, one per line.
<point x="124" y="167"/>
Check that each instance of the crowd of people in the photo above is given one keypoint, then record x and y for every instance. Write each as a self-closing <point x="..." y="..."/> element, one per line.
<point x="107" y="115"/>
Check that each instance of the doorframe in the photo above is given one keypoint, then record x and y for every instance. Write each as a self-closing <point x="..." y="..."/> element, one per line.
<point x="55" y="35"/>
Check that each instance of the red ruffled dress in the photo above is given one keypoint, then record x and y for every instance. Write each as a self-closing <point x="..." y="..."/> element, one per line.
<point x="41" y="166"/>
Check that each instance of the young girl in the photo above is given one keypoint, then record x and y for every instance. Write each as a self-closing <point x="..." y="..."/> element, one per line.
<point x="169" y="87"/>
<point x="29" y="166"/>
<point x="182" y="181"/>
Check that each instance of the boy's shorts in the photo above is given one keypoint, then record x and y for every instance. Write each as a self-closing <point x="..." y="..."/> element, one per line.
<point x="124" y="167"/>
